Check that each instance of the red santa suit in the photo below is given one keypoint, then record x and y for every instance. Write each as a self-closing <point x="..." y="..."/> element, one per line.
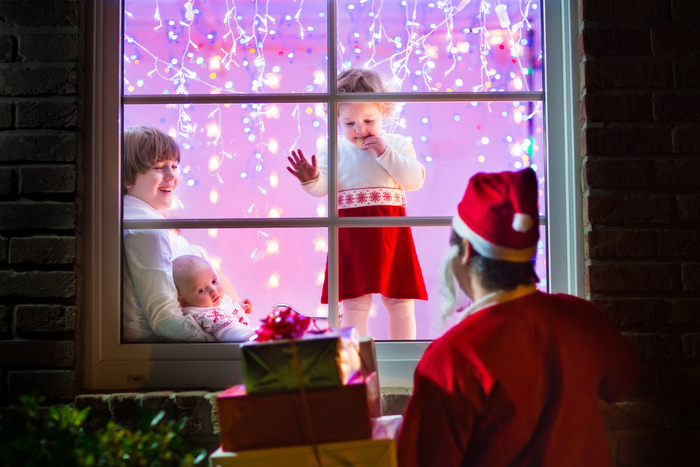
<point x="517" y="382"/>
<point x="374" y="260"/>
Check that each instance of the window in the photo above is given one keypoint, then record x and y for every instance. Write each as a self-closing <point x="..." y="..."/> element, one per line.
<point x="240" y="84"/>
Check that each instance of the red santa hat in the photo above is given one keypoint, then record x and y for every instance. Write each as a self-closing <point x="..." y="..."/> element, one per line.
<point x="498" y="215"/>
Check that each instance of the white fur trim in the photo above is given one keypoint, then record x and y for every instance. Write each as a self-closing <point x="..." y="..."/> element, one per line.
<point x="491" y="250"/>
<point x="522" y="222"/>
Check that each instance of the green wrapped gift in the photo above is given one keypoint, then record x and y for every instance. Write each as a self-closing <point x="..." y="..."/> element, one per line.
<point x="325" y="360"/>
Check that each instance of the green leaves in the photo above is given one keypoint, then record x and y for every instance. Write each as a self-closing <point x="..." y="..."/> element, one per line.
<point x="55" y="436"/>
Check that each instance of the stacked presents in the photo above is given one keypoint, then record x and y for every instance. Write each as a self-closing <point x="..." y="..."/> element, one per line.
<point x="308" y="398"/>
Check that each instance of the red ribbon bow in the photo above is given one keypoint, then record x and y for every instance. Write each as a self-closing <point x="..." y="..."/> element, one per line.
<point x="282" y="323"/>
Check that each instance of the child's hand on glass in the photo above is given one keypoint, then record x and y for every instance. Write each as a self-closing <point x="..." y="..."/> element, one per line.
<point x="376" y="143"/>
<point x="247" y="306"/>
<point x="301" y="168"/>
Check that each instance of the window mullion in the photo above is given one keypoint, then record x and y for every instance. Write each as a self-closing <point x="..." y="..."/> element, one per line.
<point x="332" y="173"/>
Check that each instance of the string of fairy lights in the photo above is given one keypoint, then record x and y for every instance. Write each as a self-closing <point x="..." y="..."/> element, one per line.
<point x="187" y="47"/>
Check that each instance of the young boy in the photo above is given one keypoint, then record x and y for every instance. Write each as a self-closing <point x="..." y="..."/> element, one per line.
<point x="202" y="296"/>
<point x="151" y="174"/>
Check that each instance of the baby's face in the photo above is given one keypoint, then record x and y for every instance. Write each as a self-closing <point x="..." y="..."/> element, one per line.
<point x="359" y="120"/>
<point x="202" y="288"/>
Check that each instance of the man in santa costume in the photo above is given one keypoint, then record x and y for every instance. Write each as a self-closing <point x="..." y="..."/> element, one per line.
<point x="517" y="381"/>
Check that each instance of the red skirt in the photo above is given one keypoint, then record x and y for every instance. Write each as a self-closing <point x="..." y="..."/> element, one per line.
<point x="377" y="259"/>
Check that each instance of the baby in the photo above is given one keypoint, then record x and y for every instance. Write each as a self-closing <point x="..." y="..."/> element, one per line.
<point x="201" y="296"/>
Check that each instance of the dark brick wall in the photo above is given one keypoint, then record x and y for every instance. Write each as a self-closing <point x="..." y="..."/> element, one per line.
<point x="640" y="123"/>
<point x="41" y="60"/>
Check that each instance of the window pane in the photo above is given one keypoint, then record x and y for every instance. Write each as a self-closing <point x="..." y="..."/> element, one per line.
<point x="218" y="46"/>
<point x="268" y="266"/>
<point x="455" y="140"/>
<point x="234" y="157"/>
<point x="445" y="46"/>
<point x="432" y="245"/>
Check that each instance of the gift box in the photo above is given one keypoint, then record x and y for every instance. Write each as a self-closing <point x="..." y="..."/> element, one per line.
<point x="267" y="420"/>
<point x="325" y="360"/>
<point x="369" y="452"/>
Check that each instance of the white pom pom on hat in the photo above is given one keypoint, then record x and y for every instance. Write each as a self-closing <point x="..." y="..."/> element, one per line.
<point x="498" y="215"/>
<point x="522" y="222"/>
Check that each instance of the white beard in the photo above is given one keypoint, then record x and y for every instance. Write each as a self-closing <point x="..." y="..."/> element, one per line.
<point x="453" y="297"/>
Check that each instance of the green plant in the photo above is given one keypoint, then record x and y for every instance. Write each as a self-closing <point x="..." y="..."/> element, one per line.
<point x="55" y="436"/>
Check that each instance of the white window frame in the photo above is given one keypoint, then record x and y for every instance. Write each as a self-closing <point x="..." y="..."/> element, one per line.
<point x="111" y="365"/>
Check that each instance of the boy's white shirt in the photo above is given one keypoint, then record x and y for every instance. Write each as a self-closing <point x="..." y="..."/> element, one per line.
<point x="151" y="311"/>
<point x="398" y="167"/>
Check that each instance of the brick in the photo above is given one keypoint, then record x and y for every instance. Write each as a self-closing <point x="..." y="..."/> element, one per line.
<point x="41" y="13"/>
<point x="51" y="179"/>
<point x="48" y="47"/>
<point x="395" y="400"/>
<point x="678" y="242"/>
<point x="645" y="415"/>
<point x="609" y="108"/>
<point x="4" y="247"/>
<point x="679" y="311"/>
<point x="125" y="409"/>
<point x="59" y="284"/>
<point x="194" y="406"/>
<point x="55" y="385"/>
<point x="616" y="41"/>
<point x="37" y="215"/>
<point x="676" y="106"/>
<point x="686" y="74"/>
<point x="627" y="312"/>
<point x="632" y="209"/>
<point x="32" y="353"/>
<point x="653" y="449"/>
<point x="4" y="320"/>
<point x="214" y="412"/>
<point x="654" y="346"/>
<point x="624" y="9"/>
<point x="8" y="48"/>
<point x="42" y="250"/>
<point x="38" y="146"/>
<point x="47" y="114"/>
<point x="675" y="41"/>
<point x="38" y="81"/>
<point x="680" y="380"/>
<point x="691" y="346"/>
<point x="685" y="140"/>
<point x="601" y="244"/>
<point x="648" y="382"/>
<point x="627" y="140"/>
<point x="44" y="318"/>
<point x="631" y="277"/>
<point x="690" y="275"/>
<point x="8" y="181"/>
<point x="691" y="414"/>
<point x="618" y="173"/>
<point x="623" y="73"/>
<point x="685" y="10"/>
<point x="156" y="401"/>
<point x="688" y="208"/>
<point x="99" y="410"/>
<point x="6" y="110"/>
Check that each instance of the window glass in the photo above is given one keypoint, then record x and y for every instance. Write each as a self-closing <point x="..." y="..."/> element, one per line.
<point x="234" y="156"/>
<point x="269" y="265"/>
<point x="445" y="46"/>
<point x="203" y="72"/>
<point x="213" y="47"/>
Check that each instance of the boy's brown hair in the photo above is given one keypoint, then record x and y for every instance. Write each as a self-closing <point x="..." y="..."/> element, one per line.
<point x="145" y="147"/>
